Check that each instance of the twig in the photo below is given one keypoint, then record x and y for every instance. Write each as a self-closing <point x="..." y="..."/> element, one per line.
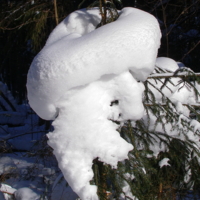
<point x="164" y="104"/>
<point x="170" y="75"/>
<point x="56" y="11"/>
<point x="22" y="135"/>
<point x="191" y="50"/>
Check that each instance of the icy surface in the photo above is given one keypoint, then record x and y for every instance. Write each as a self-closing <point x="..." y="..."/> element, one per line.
<point x="88" y="78"/>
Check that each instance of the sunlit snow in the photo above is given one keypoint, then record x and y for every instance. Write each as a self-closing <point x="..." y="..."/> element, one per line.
<point x="76" y="77"/>
<point x="164" y="162"/>
<point x="74" y="57"/>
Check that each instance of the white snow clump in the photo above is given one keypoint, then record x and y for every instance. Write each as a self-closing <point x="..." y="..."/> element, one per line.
<point x="76" y="77"/>
<point x="77" y="54"/>
<point x="164" y="162"/>
<point x="25" y="194"/>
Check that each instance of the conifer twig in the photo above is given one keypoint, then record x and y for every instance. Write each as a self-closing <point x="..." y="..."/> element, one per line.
<point x="164" y="104"/>
<point x="170" y="75"/>
<point x="56" y="11"/>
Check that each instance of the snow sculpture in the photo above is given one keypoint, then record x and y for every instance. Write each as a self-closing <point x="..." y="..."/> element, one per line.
<point x="77" y="75"/>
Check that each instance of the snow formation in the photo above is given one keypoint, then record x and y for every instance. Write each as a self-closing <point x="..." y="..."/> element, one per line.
<point x="25" y="194"/>
<point x="88" y="78"/>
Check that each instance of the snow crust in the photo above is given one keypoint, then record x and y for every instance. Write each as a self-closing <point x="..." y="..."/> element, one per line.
<point x="88" y="78"/>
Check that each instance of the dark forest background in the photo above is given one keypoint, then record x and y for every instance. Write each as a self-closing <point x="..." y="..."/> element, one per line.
<point x="25" y="26"/>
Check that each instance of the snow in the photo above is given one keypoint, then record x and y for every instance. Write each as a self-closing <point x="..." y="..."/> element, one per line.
<point x="76" y="77"/>
<point x="7" y="189"/>
<point x="167" y="64"/>
<point x="26" y="194"/>
<point x="164" y="162"/>
<point x="77" y="54"/>
<point x="195" y="124"/>
<point x="91" y="134"/>
<point x="171" y="87"/>
<point x="127" y="191"/>
<point x="26" y="177"/>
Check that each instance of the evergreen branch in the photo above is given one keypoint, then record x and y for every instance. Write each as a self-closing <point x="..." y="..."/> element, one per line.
<point x="170" y="75"/>
<point x="56" y="11"/>
<point x="8" y="101"/>
<point x="165" y="84"/>
<point x="164" y="104"/>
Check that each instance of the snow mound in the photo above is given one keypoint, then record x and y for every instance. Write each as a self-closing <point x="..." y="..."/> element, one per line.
<point x="172" y="86"/>
<point x="167" y="64"/>
<point x="74" y="56"/>
<point x="164" y="162"/>
<point x="88" y="78"/>
<point x="26" y="194"/>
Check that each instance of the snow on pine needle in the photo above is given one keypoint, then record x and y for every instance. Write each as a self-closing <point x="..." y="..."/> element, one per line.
<point x="76" y="77"/>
